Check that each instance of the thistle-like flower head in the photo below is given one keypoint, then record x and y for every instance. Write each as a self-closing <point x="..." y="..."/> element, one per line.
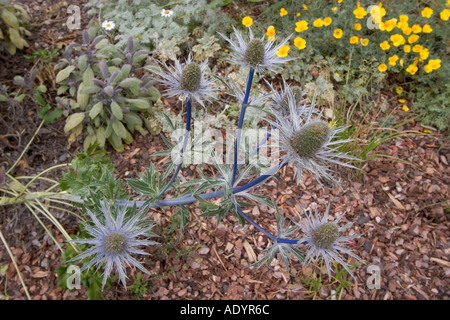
<point x="255" y="53"/>
<point x="307" y="141"/>
<point x="188" y="80"/>
<point x="114" y="240"/>
<point x="288" y="94"/>
<point x="325" y="240"/>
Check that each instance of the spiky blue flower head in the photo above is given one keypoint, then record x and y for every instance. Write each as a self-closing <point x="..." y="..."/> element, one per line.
<point x="324" y="239"/>
<point x="114" y="239"/>
<point x="308" y="142"/>
<point x="188" y="80"/>
<point x="288" y="94"/>
<point x="255" y="53"/>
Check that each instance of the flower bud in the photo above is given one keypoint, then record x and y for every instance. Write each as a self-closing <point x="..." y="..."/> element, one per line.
<point x="254" y="55"/>
<point x="191" y="77"/>
<point x="115" y="242"/>
<point x="325" y="235"/>
<point x="308" y="141"/>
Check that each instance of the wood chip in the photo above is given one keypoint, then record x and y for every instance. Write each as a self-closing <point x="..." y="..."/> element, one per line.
<point x="396" y="202"/>
<point x="250" y="253"/>
<point x="443" y="263"/>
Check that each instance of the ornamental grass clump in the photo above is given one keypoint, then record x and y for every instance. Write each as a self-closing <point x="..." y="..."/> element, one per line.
<point x="306" y="141"/>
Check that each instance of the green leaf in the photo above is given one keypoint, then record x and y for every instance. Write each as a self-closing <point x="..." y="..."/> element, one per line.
<point x="73" y="120"/>
<point x="90" y="139"/>
<point x="90" y="89"/>
<point x="39" y="99"/>
<point x="64" y="74"/>
<point x="116" y="110"/>
<point x="101" y="136"/>
<point x="3" y="98"/>
<point x="119" y="129"/>
<point x="82" y="62"/>
<point x="62" y="90"/>
<point x="52" y="116"/>
<point x="116" y="142"/>
<point x="154" y="93"/>
<point x="96" y="109"/>
<point x="10" y="19"/>
<point x="133" y="84"/>
<point x="15" y="38"/>
<point x="82" y="99"/>
<point x="88" y="75"/>
<point x="139" y="104"/>
<point x="20" y="98"/>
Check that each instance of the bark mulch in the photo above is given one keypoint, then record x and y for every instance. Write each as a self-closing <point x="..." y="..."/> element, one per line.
<point x="399" y="204"/>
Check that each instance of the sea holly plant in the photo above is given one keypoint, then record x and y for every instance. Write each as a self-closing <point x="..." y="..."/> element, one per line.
<point x="307" y="142"/>
<point x="100" y="90"/>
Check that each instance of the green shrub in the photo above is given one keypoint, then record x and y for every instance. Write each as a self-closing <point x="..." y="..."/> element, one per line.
<point x="142" y="19"/>
<point x="105" y="91"/>
<point x="13" y="18"/>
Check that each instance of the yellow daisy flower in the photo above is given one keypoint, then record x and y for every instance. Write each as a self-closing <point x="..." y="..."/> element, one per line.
<point x="354" y="40"/>
<point x="413" y="38"/>
<point x="385" y="45"/>
<point x="426" y="12"/>
<point x="283" y="51"/>
<point x="318" y="23"/>
<point x="399" y="90"/>
<point x="407" y="31"/>
<point x="417" y="48"/>
<point x="359" y="12"/>
<point x="407" y="48"/>
<point x="358" y="26"/>
<point x="283" y="12"/>
<point x="338" y="33"/>
<point x="270" y="32"/>
<point x="247" y="21"/>
<point x="427" y="28"/>
<point x="397" y="39"/>
<point x="393" y="60"/>
<point x="416" y="28"/>
<point x="301" y="26"/>
<point x="405" y="108"/>
<point x="327" y="21"/>
<point x="382" y="67"/>
<point x="424" y="53"/>
<point x="403" y="18"/>
<point x="445" y="14"/>
<point x="364" y="42"/>
<point x="300" y="43"/>
<point x="412" y="69"/>
<point x="435" y="63"/>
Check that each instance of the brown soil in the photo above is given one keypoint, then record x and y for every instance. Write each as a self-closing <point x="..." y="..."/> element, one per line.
<point x="400" y="207"/>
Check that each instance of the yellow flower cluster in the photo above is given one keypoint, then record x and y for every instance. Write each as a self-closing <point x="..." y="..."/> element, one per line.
<point x="405" y="38"/>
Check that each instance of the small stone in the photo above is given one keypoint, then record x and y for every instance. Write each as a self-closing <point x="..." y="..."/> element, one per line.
<point x="362" y="220"/>
<point x="368" y="246"/>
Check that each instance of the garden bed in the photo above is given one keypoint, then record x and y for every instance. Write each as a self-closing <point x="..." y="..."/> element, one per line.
<point x="398" y="203"/>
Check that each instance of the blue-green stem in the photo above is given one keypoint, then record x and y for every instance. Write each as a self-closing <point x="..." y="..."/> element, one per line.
<point x="189" y="198"/>
<point x="267" y="233"/>
<point x="241" y="123"/>
<point x="183" y="149"/>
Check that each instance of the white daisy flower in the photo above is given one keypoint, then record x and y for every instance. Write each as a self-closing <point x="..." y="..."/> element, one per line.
<point x="114" y="240"/>
<point x="166" y="13"/>
<point x="325" y="240"/>
<point x="188" y="81"/>
<point x="255" y="52"/>
<point x="108" y="25"/>
<point x="309" y="143"/>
